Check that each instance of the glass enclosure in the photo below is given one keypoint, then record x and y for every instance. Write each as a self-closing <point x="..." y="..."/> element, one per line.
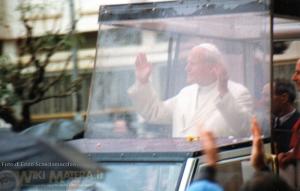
<point x="120" y="176"/>
<point x="170" y="69"/>
<point x="142" y="176"/>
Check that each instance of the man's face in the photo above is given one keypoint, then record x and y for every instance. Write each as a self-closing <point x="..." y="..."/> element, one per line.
<point x="280" y="101"/>
<point x="197" y="70"/>
<point x="277" y="100"/>
<point x="296" y="75"/>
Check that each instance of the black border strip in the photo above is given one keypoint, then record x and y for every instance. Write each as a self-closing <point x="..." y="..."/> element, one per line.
<point x="109" y="13"/>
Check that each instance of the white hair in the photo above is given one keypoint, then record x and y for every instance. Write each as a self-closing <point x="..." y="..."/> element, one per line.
<point x="212" y="53"/>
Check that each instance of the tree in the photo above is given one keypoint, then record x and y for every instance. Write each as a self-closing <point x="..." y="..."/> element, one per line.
<point x="23" y="82"/>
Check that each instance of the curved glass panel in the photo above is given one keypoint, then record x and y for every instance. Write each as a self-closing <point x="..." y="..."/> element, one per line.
<point x="170" y="69"/>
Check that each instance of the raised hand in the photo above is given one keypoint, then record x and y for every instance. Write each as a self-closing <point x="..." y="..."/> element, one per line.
<point x="143" y="68"/>
<point x="222" y="77"/>
<point x="257" y="153"/>
<point x="209" y="147"/>
<point x="284" y="159"/>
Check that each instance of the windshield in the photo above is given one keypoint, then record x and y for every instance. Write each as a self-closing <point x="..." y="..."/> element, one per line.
<point x="126" y="176"/>
<point x="170" y="69"/>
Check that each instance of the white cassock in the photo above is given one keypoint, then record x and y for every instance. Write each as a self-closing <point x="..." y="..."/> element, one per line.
<point x="196" y="107"/>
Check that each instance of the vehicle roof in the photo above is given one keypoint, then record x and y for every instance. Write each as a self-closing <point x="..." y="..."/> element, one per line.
<point x="176" y="149"/>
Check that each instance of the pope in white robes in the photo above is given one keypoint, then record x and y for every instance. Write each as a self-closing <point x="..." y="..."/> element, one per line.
<point x="210" y="102"/>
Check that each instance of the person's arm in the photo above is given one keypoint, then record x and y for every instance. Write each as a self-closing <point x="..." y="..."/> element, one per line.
<point x="237" y="110"/>
<point x="263" y="178"/>
<point x="145" y="99"/>
<point x="236" y="107"/>
<point x="257" y="153"/>
<point x="207" y="179"/>
<point x="284" y="159"/>
<point x="295" y="140"/>
<point x="210" y="150"/>
<point x="148" y="104"/>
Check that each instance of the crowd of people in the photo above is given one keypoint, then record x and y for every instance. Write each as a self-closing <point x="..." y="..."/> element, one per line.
<point x="262" y="180"/>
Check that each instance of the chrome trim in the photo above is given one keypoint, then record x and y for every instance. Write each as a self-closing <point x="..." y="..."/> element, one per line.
<point x="239" y="153"/>
<point x="224" y="155"/>
<point x="190" y="166"/>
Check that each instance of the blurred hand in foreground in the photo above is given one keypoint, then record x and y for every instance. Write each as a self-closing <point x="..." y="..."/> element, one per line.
<point x="257" y="153"/>
<point x="209" y="147"/>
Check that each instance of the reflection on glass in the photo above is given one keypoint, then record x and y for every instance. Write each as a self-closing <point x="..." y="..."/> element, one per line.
<point x="209" y="101"/>
<point x="172" y="76"/>
<point x="139" y="176"/>
<point x="125" y="177"/>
